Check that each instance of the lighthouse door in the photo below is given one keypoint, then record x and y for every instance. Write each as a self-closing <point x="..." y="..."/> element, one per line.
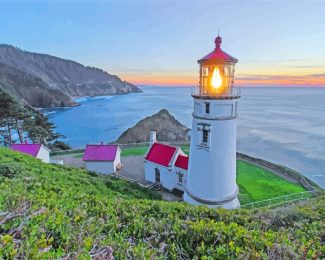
<point x="157" y="174"/>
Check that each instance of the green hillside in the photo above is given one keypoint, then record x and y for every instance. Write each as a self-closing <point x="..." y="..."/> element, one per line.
<point x="52" y="212"/>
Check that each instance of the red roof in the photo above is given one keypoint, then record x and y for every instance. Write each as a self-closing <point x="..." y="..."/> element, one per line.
<point x="161" y="154"/>
<point x="100" y="152"/>
<point x="31" y="149"/>
<point x="182" y="162"/>
<point x="218" y="53"/>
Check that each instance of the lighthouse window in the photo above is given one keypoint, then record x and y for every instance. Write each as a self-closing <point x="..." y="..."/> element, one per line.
<point x="205" y="136"/>
<point x="207" y="108"/>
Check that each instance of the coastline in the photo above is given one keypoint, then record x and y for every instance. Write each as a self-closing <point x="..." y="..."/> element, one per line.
<point x="78" y="103"/>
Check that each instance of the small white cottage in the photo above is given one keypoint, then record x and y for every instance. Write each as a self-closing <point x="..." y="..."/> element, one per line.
<point x="105" y="159"/>
<point x="38" y="151"/>
<point x="165" y="164"/>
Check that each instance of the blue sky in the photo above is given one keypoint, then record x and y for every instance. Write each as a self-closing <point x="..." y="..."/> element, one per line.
<point x="159" y="42"/>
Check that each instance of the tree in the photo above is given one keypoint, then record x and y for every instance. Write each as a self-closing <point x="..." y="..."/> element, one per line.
<point x="25" y="120"/>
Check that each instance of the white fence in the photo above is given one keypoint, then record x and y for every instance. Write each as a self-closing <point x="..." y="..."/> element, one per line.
<point x="277" y="201"/>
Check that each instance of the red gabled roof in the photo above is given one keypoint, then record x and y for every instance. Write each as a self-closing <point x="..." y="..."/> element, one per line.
<point x="161" y="154"/>
<point x="100" y="152"/>
<point x="182" y="162"/>
<point x="31" y="149"/>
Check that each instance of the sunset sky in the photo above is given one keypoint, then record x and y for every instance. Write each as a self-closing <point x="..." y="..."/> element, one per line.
<point x="159" y="42"/>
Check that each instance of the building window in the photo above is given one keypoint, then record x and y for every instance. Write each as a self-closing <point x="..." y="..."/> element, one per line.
<point x="180" y="177"/>
<point x="207" y="108"/>
<point x="205" y="136"/>
<point x="157" y="175"/>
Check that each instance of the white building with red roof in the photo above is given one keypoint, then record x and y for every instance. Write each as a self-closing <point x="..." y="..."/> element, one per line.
<point x="38" y="151"/>
<point x="102" y="158"/>
<point x="165" y="164"/>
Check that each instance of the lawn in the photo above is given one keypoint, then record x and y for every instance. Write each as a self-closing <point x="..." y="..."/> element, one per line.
<point x="257" y="184"/>
<point x="134" y="151"/>
<point x="78" y="155"/>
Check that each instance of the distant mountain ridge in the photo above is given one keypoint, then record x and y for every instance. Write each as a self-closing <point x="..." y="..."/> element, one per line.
<point x="68" y="77"/>
<point x="30" y="89"/>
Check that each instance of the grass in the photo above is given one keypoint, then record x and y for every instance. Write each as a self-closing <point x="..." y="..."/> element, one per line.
<point x="59" y="212"/>
<point x="134" y="151"/>
<point x="78" y="155"/>
<point x="256" y="183"/>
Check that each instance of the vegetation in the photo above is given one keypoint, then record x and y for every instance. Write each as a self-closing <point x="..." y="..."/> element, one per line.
<point x="141" y="151"/>
<point x="61" y="212"/>
<point x="23" y="120"/>
<point x="256" y="183"/>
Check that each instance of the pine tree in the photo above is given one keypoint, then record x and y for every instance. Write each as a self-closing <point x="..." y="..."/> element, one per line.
<point x="26" y="121"/>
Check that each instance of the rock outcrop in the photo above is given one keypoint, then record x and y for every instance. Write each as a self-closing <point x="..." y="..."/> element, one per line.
<point x="69" y="77"/>
<point x="167" y="127"/>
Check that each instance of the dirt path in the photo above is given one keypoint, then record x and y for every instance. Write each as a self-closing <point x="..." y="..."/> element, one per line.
<point x="69" y="160"/>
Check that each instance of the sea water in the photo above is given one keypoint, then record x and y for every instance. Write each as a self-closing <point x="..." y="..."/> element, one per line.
<point x="282" y="125"/>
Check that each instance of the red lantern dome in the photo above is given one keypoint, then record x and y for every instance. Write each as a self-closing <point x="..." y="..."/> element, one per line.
<point x="217" y="73"/>
<point x="218" y="54"/>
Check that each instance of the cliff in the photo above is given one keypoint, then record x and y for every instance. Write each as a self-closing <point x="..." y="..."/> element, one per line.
<point x="69" y="77"/>
<point x="31" y="89"/>
<point x="167" y="127"/>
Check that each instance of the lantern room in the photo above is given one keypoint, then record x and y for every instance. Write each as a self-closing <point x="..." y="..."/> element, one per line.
<point x="217" y="73"/>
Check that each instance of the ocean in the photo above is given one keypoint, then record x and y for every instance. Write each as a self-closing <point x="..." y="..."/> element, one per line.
<point x="282" y="125"/>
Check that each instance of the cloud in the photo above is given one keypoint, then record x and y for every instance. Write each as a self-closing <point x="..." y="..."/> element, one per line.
<point x="319" y="75"/>
<point x="282" y="80"/>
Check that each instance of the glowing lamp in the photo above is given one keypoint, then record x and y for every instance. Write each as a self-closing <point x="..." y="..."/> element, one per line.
<point x="216" y="80"/>
<point x="217" y="72"/>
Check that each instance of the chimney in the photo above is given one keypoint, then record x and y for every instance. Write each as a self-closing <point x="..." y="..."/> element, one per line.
<point x="153" y="137"/>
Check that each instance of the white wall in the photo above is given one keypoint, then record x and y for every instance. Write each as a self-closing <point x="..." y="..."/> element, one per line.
<point x="178" y="185"/>
<point x="166" y="174"/>
<point x="149" y="171"/>
<point x="117" y="159"/>
<point x="167" y="179"/>
<point x="101" y="167"/>
<point x="212" y="169"/>
<point x="44" y="155"/>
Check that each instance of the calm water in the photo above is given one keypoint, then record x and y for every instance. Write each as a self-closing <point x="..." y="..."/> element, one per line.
<point x="285" y="126"/>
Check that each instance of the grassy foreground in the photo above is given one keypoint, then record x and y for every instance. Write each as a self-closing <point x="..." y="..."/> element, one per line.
<point x="51" y="212"/>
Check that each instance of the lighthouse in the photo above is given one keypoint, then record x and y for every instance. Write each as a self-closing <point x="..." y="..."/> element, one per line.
<point x="211" y="179"/>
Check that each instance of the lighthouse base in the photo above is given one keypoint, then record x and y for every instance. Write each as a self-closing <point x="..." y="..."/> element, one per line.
<point x="229" y="204"/>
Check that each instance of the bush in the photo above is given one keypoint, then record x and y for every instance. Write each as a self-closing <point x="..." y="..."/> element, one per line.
<point x="9" y="170"/>
<point x="59" y="145"/>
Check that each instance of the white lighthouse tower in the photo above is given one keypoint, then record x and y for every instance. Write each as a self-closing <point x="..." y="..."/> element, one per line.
<point x="211" y="179"/>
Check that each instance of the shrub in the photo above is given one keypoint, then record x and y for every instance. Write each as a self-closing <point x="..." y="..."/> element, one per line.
<point x="9" y="170"/>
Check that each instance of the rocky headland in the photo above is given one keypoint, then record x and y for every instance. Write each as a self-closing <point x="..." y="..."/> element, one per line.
<point x="167" y="127"/>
